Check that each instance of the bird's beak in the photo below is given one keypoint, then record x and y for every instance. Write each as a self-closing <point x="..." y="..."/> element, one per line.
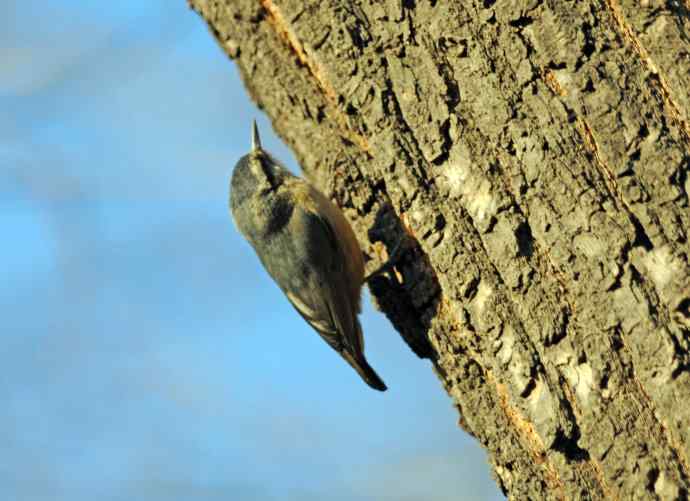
<point x="256" y="140"/>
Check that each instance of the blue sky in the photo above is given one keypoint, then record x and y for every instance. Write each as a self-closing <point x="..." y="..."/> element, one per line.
<point x="146" y="355"/>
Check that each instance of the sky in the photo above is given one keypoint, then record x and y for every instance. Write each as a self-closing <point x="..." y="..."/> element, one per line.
<point x="145" y="353"/>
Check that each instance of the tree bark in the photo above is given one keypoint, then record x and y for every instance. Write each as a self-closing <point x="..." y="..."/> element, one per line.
<point x="532" y="158"/>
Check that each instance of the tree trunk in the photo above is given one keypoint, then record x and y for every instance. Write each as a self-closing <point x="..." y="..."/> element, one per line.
<point x="532" y="158"/>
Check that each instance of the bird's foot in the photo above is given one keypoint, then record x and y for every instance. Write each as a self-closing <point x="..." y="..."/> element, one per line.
<point x="388" y="266"/>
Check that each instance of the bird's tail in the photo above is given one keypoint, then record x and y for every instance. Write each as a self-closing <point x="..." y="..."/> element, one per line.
<point x="365" y="371"/>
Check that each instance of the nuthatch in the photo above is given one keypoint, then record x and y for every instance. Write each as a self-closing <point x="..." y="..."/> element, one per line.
<point x="308" y="248"/>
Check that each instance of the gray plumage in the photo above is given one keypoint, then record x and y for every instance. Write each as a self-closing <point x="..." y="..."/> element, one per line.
<point x="307" y="246"/>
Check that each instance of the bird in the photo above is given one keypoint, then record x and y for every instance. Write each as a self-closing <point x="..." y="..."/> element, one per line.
<point x="307" y="246"/>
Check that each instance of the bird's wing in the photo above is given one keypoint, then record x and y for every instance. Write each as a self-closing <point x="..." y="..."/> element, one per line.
<point x="314" y="315"/>
<point x="325" y="303"/>
<point x="352" y="354"/>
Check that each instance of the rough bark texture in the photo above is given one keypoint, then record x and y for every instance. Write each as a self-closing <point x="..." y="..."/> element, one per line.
<point x="534" y="157"/>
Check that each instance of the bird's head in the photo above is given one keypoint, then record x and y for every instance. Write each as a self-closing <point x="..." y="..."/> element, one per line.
<point x="256" y="174"/>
